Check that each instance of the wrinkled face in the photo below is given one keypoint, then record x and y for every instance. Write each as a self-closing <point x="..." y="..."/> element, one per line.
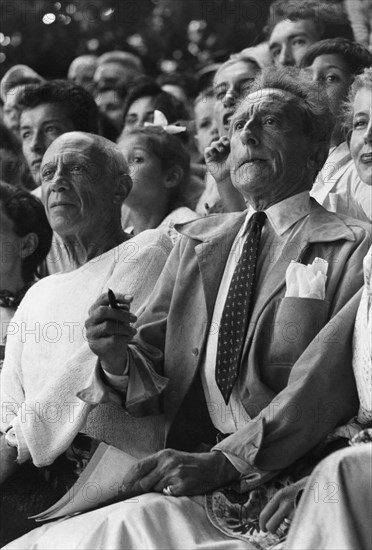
<point x="361" y="137"/>
<point x="206" y="127"/>
<point x="269" y="151"/>
<point x="39" y="127"/>
<point x="139" y="112"/>
<point x="230" y="83"/>
<point x="111" y="105"/>
<point x="290" y="40"/>
<point x="11" y="111"/>
<point x="145" y="169"/>
<point x="333" y="72"/>
<point x="77" y="189"/>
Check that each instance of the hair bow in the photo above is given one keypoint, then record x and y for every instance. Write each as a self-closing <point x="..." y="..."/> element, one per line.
<point x="161" y="120"/>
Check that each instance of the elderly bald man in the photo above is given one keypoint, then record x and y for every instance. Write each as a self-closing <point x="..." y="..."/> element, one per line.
<point x="245" y="390"/>
<point x="84" y="182"/>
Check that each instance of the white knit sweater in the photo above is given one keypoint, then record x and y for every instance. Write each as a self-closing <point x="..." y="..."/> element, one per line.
<point x="48" y="360"/>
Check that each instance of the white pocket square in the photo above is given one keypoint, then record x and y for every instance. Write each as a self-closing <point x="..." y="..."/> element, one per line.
<point x="306" y="281"/>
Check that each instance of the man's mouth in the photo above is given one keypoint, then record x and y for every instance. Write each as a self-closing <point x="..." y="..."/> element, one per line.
<point x="250" y="161"/>
<point x="60" y="204"/>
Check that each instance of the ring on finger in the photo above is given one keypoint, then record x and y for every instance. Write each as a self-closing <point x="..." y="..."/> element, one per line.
<point x="283" y="528"/>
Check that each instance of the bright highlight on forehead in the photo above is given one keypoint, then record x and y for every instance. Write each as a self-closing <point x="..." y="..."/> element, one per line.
<point x="271" y="93"/>
<point x="96" y="148"/>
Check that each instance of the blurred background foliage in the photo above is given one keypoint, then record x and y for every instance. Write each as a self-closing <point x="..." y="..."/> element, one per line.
<point x="168" y="34"/>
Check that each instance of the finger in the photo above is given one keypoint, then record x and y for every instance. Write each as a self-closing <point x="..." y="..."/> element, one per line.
<point x="268" y="511"/>
<point x="103" y="300"/>
<point x="139" y="470"/>
<point x="106" y="313"/>
<point x="156" y="480"/>
<point x="113" y="332"/>
<point x="211" y="153"/>
<point x="123" y="299"/>
<point x="275" y="521"/>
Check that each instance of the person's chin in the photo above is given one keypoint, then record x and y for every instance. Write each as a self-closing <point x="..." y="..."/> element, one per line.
<point x="37" y="178"/>
<point x="366" y="175"/>
<point x="62" y="225"/>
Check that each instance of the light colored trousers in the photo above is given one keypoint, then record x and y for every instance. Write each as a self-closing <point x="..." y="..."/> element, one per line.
<point x="335" y="510"/>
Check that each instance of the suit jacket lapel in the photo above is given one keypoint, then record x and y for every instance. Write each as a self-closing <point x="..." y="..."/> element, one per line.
<point x="212" y="257"/>
<point x="319" y="226"/>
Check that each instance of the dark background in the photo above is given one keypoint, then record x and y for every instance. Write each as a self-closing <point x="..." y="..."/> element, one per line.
<point x="157" y="29"/>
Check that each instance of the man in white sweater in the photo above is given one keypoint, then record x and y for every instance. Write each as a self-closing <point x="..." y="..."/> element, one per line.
<point x="84" y="182"/>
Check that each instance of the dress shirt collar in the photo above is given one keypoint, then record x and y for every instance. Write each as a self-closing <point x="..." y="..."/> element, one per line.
<point x="286" y="213"/>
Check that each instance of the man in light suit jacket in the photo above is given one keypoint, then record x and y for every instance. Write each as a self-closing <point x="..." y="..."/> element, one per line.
<point x="295" y="381"/>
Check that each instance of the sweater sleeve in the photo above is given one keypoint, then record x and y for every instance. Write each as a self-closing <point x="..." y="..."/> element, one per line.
<point x="12" y="389"/>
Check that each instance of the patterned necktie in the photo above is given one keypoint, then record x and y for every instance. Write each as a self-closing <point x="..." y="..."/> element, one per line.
<point x="236" y="311"/>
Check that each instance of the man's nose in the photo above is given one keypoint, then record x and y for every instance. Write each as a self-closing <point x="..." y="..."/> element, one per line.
<point x="60" y="182"/>
<point x="230" y="98"/>
<point x="248" y="135"/>
<point x="38" y="144"/>
<point x="286" y="58"/>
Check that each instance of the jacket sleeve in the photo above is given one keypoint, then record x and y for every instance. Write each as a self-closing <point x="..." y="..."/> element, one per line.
<point x="146" y="354"/>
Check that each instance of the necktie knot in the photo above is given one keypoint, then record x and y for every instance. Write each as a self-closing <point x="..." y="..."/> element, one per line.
<point x="258" y="220"/>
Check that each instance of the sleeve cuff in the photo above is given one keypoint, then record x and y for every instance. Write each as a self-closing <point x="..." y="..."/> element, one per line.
<point x="118" y="382"/>
<point x="237" y="462"/>
<point x="100" y="390"/>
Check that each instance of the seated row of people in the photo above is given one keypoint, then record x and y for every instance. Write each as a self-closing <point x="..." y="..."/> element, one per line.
<point x="224" y="370"/>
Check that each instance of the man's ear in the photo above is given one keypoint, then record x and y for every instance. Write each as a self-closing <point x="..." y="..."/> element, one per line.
<point x="29" y="244"/>
<point x="173" y="176"/>
<point x="123" y="188"/>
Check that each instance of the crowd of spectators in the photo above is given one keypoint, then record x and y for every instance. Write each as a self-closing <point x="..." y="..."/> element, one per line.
<point x="186" y="276"/>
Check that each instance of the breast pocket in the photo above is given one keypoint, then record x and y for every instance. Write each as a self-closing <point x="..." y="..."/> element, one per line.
<point x="295" y="323"/>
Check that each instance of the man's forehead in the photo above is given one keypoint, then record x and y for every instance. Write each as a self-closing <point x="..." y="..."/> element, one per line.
<point x="287" y="27"/>
<point x="73" y="144"/>
<point x="269" y="97"/>
<point x="235" y="69"/>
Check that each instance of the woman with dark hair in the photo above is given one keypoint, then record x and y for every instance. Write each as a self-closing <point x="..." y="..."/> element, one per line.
<point x="146" y="97"/>
<point x="25" y="241"/>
